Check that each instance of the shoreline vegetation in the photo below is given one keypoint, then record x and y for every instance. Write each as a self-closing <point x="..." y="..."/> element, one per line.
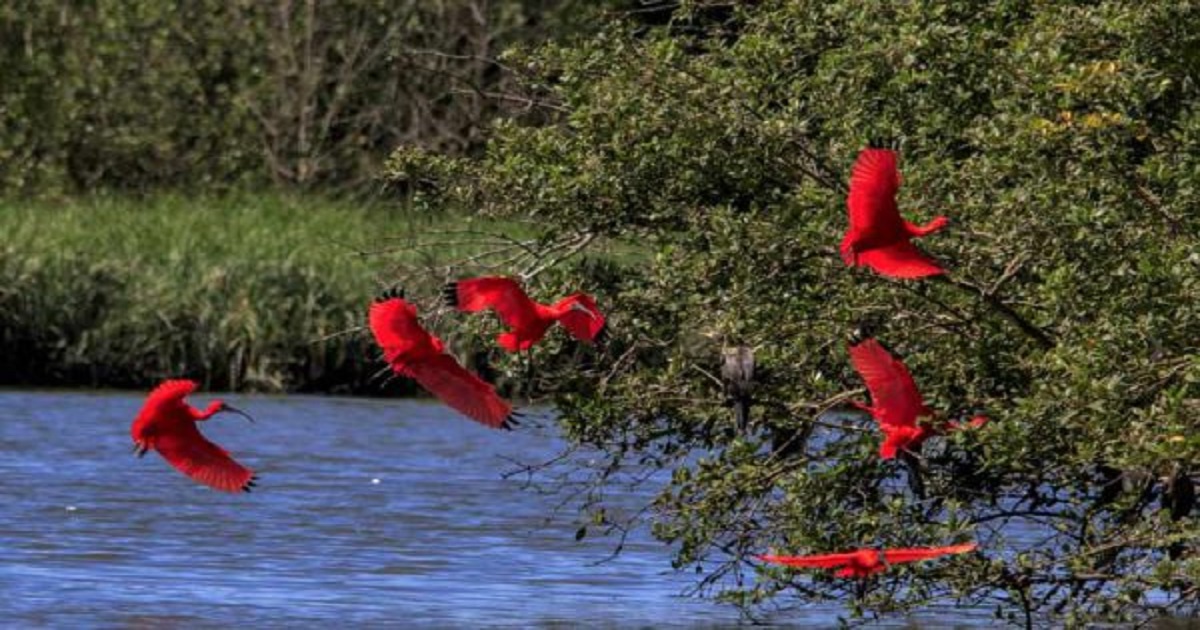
<point x="242" y="292"/>
<point x="690" y="165"/>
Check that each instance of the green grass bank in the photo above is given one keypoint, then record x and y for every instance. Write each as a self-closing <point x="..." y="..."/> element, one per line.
<point x="244" y="292"/>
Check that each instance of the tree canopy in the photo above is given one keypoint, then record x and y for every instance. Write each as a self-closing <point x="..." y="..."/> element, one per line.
<point x="715" y="146"/>
<point x="207" y="93"/>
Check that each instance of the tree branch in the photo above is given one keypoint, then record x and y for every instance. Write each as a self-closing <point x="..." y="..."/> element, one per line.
<point x="1004" y="310"/>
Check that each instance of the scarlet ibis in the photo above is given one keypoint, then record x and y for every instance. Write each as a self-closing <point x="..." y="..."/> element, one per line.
<point x="168" y="425"/>
<point x="413" y="352"/>
<point x="879" y="237"/>
<point x="895" y="402"/>
<point x="527" y="320"/>
<point x="866" y="562"/>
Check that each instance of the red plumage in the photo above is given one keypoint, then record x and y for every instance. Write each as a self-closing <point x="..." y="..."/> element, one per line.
<point x="865" y="562"/>
<point x="168" y="425"/>
<point x="896" y="556"/>
<point x="581" y="317"/>
<point x="878" y="237"/>
<point x="526" y="319"/>
<point x="403" y="340"/>
<point x="413" y="352"/>
<point x="895" y="401"/>
<point x="822" y="561"/>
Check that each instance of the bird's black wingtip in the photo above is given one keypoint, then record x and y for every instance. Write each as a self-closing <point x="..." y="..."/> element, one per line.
<point x="250" y="484"/>
<point x="450" y="294"/>
<point x="863" y="331"/>
<point x="512" y="421"/>
<point x="880" y="142"/>
<point x="390" y="293"/>
<point x="602" y="336"/>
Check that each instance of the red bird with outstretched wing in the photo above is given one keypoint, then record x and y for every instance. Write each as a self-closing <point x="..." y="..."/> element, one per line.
<point x="878" y="236"/>
<point x="865" y="562"/>
<point x="393" y="322"/>
<point x="168" y="425"/>
<point x="895" y="401"/>
<point x="820" y="561"/>
<point x="526" y="319"/>
<point x="413" y="352"/>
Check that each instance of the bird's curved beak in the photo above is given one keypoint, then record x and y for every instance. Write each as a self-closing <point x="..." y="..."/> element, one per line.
<point x="232" y="409"/>
<point x="140" y="448"/>
<point x="576" y="306"/>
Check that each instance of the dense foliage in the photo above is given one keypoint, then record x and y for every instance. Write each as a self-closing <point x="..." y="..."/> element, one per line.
<point x="207" y="93"/>
<point x="1058" y="137"/>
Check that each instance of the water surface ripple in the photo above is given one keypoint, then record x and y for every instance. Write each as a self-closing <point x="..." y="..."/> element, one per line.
<point x="368" y="512"/>
<point x="94" y="537"/>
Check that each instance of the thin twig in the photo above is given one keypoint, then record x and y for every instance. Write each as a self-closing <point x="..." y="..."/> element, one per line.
<point x="578" y="246"/>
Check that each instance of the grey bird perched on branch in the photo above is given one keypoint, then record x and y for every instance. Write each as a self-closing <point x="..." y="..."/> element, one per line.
<point x="1115" y="482"/>
<point x="737" y="374"/>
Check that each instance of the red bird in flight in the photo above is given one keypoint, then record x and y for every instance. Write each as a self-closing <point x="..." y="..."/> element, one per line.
<point x="879" y="237"/>
<point x="413" y="352"/>
<point x="895" y="402"/>
<point x="866" y="562"/>
<point x="527" y="320"/>
<point x="168" y="425"/>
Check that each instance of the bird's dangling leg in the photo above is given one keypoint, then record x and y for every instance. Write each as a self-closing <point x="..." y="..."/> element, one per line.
<point x="383" y="373"/>
<point x="860" y="588"/>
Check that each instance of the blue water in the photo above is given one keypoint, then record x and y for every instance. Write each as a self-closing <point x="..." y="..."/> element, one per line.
<point x="367" y="512"/>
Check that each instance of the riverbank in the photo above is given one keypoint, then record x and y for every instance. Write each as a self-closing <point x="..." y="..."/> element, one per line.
<point x="242" y="292"/>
